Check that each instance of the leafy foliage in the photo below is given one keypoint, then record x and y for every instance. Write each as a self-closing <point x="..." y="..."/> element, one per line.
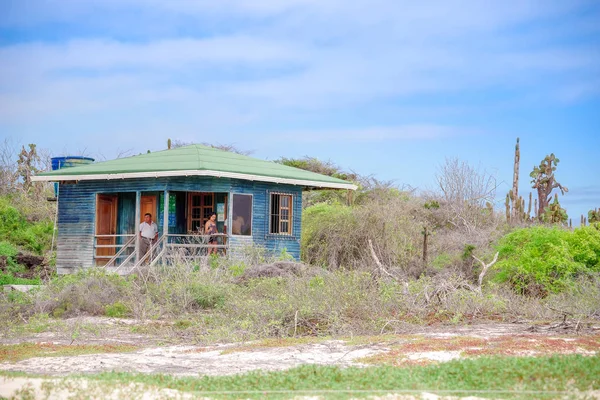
<point x="540" y="259"/>
<point x="16" y="229"/>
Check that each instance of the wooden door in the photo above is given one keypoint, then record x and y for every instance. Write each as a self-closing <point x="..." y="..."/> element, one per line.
<point x="106" y="224"/>
<point x="148" y="205"/>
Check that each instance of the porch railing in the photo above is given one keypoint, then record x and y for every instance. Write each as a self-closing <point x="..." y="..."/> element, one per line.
<point x="130" y="243"/>
<point x="191" y="246"/>
<point x="167" y="249"/>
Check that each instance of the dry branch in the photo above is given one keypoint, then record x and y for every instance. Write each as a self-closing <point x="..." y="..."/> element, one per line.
<point x="379" y="264"/>
<point x="484" y="270"/>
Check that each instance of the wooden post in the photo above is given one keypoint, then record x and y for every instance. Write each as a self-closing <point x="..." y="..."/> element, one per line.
<point x="136" y="225"/>
<point x="165" y="221"/>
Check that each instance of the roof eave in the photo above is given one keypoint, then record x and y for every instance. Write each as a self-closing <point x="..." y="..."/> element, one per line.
<point x="218" y="174"/>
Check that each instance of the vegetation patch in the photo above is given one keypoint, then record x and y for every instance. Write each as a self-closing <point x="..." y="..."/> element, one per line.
<point x="501" y="377"/>
<point x="520" y="345"/>
<point x="540" y="259"/>
<point x="22" y="351"/>
<point x="275" y="342"/>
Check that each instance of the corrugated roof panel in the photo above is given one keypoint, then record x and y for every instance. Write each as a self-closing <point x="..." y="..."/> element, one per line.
<point x="193" y="158"/>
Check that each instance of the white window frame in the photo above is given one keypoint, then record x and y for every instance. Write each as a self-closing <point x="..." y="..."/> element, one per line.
<point x="251" y="214"/>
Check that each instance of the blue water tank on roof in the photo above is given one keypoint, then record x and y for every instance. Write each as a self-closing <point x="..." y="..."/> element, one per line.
<point x="68" y="161"/>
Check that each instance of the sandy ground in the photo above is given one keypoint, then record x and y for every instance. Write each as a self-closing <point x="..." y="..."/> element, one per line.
<point x="229" y="359"/>
<point x="223" y="359"/>
<point x="194" y="360"/>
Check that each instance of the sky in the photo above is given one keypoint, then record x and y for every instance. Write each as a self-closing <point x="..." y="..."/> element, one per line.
<point x="388" y="88"/>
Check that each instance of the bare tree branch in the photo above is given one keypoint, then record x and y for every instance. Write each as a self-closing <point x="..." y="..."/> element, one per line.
<point x="485" y="269"/>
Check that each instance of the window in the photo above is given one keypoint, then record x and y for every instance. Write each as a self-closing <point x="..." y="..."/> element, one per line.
<point x="281" y="214"/>
<point x="241" y="223"/>
<point x="200" y="207"/>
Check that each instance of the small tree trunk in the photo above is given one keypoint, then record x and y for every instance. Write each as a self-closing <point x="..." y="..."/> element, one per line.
<point x="425" y="234"/>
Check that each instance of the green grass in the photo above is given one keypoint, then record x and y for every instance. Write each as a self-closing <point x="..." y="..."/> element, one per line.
<point x="9" y="279"/>
<point x="497" y="377"/>
<point x="22" y="351"/>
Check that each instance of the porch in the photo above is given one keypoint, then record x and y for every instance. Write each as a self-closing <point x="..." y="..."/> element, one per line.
<point x="180" y="217"/>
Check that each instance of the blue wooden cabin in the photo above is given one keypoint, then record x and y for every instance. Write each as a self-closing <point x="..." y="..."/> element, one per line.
<point x="100" y="206"/>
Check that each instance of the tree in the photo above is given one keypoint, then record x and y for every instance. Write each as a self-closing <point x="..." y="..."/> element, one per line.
<point x="8" y="168"/>
<point x="466" y="193"/>
<point x="328" y="168"/>
<point x="320" y="167"/>
<point x="27" y="165"/>
<point x="544" y="181"/>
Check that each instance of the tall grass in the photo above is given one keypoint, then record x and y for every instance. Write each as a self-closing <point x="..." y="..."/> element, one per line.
<point x="313" y="302"/>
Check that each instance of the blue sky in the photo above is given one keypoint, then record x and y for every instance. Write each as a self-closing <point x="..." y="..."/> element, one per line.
<point x="390" y="88"/>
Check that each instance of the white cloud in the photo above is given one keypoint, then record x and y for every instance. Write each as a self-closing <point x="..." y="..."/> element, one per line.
<point x="294" y="56"/>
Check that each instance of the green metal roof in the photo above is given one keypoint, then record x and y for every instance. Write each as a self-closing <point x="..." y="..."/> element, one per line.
<point x="195" y="160"/>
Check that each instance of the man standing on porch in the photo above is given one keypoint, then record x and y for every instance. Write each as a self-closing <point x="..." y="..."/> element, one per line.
<point x="148" y="234"/>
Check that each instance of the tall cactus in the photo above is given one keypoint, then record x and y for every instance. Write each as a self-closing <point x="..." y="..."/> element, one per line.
<point x="515" y="188"/>
<point x="555" y="213"/>
<point x="594" y="215"/>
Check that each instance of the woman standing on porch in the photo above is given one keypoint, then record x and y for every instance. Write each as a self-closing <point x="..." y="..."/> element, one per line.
<point x="210" y="228"/>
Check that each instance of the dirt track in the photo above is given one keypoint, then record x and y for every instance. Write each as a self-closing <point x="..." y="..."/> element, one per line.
<point x="421" y="345"/>
<point x="414" y="345"/>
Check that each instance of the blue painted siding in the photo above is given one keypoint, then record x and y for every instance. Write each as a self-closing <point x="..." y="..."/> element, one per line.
<point x="77" y="211"/>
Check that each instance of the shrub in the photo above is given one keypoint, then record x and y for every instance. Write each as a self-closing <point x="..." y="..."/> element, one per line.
<point x="538" y="260"/>
<point x="208" y="296"/>
<point x="88" y="291"/>
<point x="9" y="251"/>
<point x="117" y="310"/>
<point x="16" y="229"/>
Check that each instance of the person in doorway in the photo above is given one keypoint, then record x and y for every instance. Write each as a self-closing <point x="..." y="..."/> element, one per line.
<point x="148" y="235"/>
<point x="210" y="228"/>
<point x="237" y="225"/>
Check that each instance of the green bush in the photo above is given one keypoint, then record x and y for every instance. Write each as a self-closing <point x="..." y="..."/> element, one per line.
<point x="208" y="296"/>
<point x="7" y="249"/>
<point x="321" y="223"/>
<point x="538" y="260"/>
<point x="117" y="310"/>
<point x="17" y="230"/>
<point x="336" y="236"/>
<point x="10" y="279"/>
